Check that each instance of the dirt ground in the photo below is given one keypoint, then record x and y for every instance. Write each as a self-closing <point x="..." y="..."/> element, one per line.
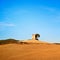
<point x="30" y="52"/>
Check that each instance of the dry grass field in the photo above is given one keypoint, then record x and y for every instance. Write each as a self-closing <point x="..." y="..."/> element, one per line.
<point x="30" y="52"/>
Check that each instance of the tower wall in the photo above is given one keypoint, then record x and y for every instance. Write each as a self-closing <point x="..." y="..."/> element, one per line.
<point x="33" y="37"/>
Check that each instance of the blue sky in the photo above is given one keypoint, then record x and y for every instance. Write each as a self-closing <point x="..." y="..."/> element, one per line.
<point x="19" y="19"/>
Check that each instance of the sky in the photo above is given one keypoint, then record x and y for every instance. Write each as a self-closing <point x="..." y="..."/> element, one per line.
<point x="19" y="19"/>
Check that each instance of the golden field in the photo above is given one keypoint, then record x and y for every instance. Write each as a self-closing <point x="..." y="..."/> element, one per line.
<point x="30" y="52"/>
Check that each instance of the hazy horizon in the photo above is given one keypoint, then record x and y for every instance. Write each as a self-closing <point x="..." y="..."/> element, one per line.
<point x="19" y="19"/>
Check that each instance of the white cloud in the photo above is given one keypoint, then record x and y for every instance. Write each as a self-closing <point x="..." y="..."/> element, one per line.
<point x="6" y="24"/>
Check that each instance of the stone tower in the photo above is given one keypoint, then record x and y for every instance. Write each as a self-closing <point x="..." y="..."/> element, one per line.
<point x="35" y="36"/>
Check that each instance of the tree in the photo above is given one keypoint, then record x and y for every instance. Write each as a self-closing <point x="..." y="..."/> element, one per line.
<point x="37" y="36"/>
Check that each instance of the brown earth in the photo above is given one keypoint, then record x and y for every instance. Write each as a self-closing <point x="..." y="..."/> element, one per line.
<point x="30" y="52"/>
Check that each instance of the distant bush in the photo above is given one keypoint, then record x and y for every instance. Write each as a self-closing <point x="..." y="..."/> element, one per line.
<point x="57" y="43"/>
<point x="7" y="41"/>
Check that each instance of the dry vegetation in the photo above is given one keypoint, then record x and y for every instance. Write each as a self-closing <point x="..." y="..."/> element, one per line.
<point x="29" y="51"/>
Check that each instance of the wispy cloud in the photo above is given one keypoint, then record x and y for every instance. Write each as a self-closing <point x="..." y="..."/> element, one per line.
<point x="48" y="8"/>
<point x="22" y="11"/>
<point x="57" y="19"/>
<point x="6" y="24"/>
